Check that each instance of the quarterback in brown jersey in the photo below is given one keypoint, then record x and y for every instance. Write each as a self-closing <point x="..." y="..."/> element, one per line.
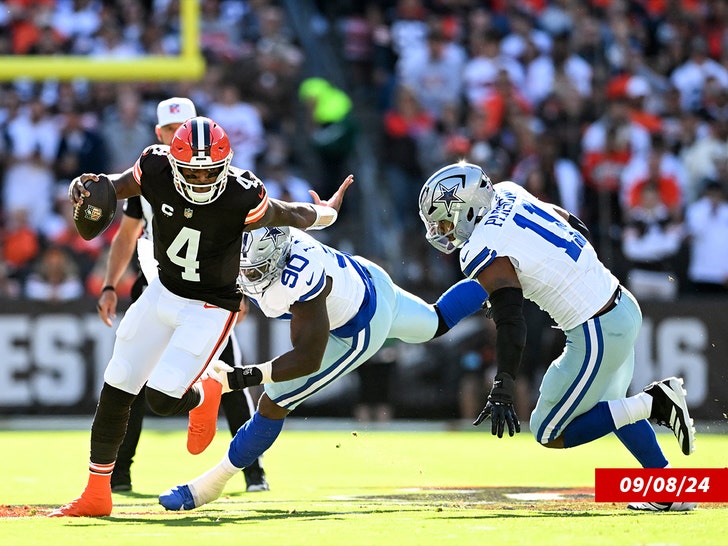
<point x="201" y="207"/>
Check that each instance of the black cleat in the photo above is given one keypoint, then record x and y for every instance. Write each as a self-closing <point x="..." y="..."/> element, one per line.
<point x="670" y="409"/>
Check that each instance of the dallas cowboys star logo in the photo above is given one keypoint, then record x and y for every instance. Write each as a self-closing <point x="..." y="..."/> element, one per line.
<point x="272" y="233"/>
<point x="448" y="196"/>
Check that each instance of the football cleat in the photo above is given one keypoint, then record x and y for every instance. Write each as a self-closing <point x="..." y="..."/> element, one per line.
<point x="670" y="409"/>
<point x="85" y="506"/>
<point x="177" y="498"/>
<point x="255" y="480"/>
<point x="203" y="419"/>
<point x="662" y="506"/>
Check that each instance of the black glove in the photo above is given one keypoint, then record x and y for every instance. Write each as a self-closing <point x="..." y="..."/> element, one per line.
<point x="500" y="406"/>
<point x="240" y="378"/>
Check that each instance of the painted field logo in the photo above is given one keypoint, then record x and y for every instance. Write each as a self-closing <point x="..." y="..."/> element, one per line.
<point x="92" y="213"/>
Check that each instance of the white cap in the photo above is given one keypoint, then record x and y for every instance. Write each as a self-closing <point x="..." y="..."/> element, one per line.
<point x="175" y="110"/>
<point x="637" y="86"/>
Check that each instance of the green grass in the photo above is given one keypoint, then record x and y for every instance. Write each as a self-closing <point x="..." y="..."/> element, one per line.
<point x="351" y="488"/>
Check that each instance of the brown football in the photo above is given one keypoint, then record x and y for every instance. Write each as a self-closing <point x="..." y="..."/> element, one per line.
<point x="97" y="211"/>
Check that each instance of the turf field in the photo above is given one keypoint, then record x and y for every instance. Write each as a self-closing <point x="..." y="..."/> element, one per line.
<point x="352" y="486"/>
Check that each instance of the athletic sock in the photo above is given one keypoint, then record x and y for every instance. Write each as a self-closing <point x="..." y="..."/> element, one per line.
<point x="461" y="300"/>
<point x="630" y="410"/>
<point x="210" y="485"/>
<point x="253" y="439"/>
<point x="641" y="441"/>
<point x="589" y="426"/>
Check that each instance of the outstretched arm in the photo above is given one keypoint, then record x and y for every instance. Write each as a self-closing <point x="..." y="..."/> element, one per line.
<point x="309" y="337"/>
<point x="319" y="215"/>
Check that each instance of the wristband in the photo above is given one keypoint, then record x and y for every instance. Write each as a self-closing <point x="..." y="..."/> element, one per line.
<point x="325" y="216"/>
<point x="266" y="368"/>
<point x="108" y="287"/>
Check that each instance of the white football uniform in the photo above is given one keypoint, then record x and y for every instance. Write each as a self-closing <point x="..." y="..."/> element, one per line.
<point x="365" y="308"/>
<point x="556" y="266"/>
<point x="559" y="271"/>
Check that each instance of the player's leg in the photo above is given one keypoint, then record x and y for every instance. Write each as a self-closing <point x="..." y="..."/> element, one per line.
<point x="249" y="443"/>
<point x="121" y="477"/>
<point x="131" y="364"/>
<point x="175" y="386"/>
<point x="238" y="407"/>
<point x="568" y="411"/>
<point x="342" y="356"/>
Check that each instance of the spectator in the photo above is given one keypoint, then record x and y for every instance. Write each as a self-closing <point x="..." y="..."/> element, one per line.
<point x="436" y="75"/>
<point x="123" y="125"/>
<point x="242" y="123"/>
<point x="81" y="149"/>
<point x="707" y="224"/>
<point x="331" y="127"/>
<point x="661" y="171"/>
<point x="278" y="177"/>
<point x="691" y="76"/>
<point x="54" y="278"/>
<point x="20" y="245"/>
<point x="651" y="240"/>
<point x="560" y="72"/>
<point x="31" y="143"/>
<point x="406" y="127"/>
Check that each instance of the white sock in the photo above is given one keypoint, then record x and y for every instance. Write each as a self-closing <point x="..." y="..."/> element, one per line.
<point x="209" y="486"/>
<point x="626" y="411"/>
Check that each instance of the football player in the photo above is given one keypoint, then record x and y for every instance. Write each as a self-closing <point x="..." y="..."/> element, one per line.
<point x="182" y="320"/>
<point x="342" y="309"/>
<point x="136" y="219"/>
<point x="519" y="247"/>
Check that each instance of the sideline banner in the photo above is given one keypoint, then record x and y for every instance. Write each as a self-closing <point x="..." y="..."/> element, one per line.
<point x="52" y="356"/>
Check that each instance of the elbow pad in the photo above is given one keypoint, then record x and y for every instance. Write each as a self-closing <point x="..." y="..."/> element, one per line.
<point x="507" y="309"/>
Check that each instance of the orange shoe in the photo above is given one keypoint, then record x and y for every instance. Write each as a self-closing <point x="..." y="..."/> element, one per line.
<point x="203" y="419"/>
<point x="94" y="502"/>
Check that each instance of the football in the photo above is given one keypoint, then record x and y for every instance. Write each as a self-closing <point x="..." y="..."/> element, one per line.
<point x="97" y="211"/>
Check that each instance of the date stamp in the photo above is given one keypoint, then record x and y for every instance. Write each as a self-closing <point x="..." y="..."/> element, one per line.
<point x="661" y="485"/>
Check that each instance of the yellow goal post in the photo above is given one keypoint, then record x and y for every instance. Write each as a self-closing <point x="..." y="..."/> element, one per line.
<point x="188" y="66"/>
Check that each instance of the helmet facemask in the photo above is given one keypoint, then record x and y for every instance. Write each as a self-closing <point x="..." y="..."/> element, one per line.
<point x="200" y="144"/>
<point x="460" y="194"/>
<point x="263" y="257"/>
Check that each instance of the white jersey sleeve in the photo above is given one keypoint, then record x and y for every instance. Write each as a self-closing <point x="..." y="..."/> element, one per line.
<point x="304" y="277"/>
<point x="557" y="267"/>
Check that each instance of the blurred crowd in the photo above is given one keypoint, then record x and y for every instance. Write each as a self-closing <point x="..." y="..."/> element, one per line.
<point x="616" y="110"/>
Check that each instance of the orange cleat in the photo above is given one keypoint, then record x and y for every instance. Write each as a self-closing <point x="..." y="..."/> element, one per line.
<point x="203" y="419"/>
<point x="94" y="502"/>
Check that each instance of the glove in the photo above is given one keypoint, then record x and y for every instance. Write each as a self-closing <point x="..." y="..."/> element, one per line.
<point x="500" y="406"/>
<point x="218" y="370"/>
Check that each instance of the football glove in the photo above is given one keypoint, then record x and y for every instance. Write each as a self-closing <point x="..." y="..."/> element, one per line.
<point x="500" y="407"/>
<point x="218" y="370"/>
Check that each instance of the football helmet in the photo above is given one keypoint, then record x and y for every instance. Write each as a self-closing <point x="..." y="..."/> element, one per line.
<point x="263" y="257"/>
<point x="200" y="144"/>
<point x="460" y="193"/>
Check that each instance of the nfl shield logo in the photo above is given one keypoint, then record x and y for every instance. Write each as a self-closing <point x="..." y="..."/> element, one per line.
<point x="92" y="213"/>
<point x="188" y="213"/>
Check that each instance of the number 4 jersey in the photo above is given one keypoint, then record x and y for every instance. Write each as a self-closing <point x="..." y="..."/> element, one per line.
<point x="198" y="246"/>
<point x="557" y="267"/>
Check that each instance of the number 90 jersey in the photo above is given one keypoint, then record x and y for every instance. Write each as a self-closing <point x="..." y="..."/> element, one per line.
<point x="304" y="277"/>
<point x="198" y="246"/>
<point x="557" y="267"/>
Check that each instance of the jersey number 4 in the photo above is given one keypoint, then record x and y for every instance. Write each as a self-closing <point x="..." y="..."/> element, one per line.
<point x="183" y="252"/>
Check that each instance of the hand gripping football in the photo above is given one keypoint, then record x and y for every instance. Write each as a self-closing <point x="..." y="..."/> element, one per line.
<point x="97" y="211"/>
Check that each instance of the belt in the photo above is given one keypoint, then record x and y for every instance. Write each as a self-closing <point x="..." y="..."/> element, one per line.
<point x="612" y="303"/>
